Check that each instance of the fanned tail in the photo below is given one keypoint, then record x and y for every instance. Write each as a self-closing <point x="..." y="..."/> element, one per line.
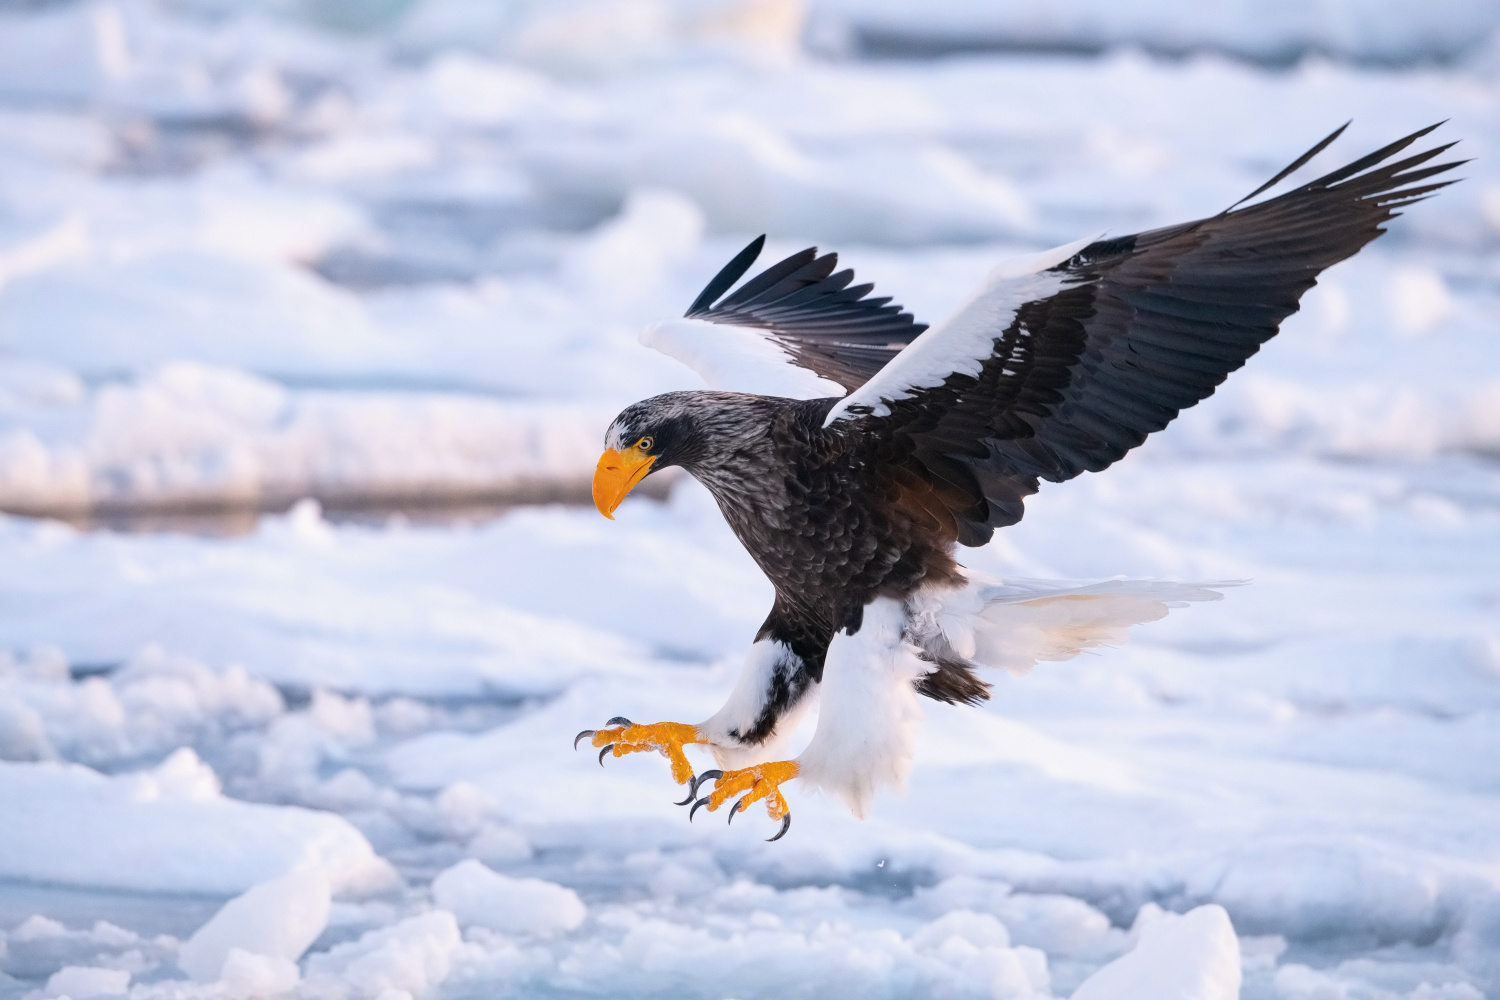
<point x="1013" y="626"/>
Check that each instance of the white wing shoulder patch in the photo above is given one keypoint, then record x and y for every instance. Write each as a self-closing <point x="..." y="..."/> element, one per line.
<point x="962" y="342"/>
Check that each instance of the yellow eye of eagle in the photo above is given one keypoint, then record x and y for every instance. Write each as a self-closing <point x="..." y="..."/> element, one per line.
<point x="645" y="443"/>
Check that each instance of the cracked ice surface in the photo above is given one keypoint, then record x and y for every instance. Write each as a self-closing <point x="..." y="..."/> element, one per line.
<point x="245" y="258"/>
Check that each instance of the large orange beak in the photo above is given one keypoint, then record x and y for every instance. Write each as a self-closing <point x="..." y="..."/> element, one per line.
<point x="616" y="476"/>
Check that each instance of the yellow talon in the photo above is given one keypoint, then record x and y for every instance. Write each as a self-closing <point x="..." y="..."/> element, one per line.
<point x="667" y="738"/>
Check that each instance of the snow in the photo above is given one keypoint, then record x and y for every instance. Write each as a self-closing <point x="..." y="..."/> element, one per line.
<point x="247" y="974"/>
<point x="1189" y="956"/>
<point x="277" y="919"/>
<point x="81" y="982"/>
<point x="170" y="830"/>
<point x="411" y="956"/>
<point x="477" y="895"/>
<point x="189" y="434"/>
<point x="393" y="256"/>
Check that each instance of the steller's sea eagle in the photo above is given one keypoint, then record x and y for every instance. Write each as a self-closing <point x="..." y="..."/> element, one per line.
<point x="868" y="446"/>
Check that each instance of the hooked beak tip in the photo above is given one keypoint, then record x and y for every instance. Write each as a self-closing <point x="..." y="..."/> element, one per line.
<point x="616" y="476"/>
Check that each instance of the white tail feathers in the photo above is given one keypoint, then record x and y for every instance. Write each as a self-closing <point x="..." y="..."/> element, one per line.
<point x="1015" y="625"/>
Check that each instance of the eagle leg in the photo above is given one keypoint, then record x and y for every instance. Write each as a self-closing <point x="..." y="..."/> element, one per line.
<point x="759" y="781"/>
<point x="667" y="738"/>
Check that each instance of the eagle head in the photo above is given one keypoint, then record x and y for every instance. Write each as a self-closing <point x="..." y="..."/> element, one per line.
<point x="699" y="431"/>
<point x="646" y="437"/>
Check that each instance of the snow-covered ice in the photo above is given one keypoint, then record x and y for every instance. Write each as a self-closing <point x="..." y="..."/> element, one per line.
<point x="84" y="982"/>
<point x="409" y="957"/>
<point x="277" y="919"/>
<point x="1193" y="956"/>
<point x="170" y="830"/>
<point x="399" y="254"/>
<point x="477" y="895"/>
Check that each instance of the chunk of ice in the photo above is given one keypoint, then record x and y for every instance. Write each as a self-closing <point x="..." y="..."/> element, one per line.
<point x="276" y="919"/>
<point x="170" y="830"/>
<point x="478" y="895"/>
<point x="80" y="982"/>
<point x="1189" y="956"/>
<point x="409" y="957"/>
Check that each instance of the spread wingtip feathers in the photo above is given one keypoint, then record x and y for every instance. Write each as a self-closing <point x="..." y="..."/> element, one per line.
<point x="1394" y="171"/>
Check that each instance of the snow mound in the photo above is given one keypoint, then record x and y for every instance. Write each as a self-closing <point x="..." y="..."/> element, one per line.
<point x="245" y="974"/>
<point x="413" y="956"/>
<point x="155" y="702"/>
<point x="39" y="948"/>
<point x="190" y="434"/>
<point x="81" y="982"/>
<point x="169" y="830"/>
<point x="477" y="895"/>
<point x="1189" y="956"/>
<point x="756" y="948"/>
<point x="277" y="919"/>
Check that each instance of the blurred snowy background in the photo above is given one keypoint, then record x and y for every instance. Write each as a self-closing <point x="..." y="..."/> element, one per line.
<point x="297" y="295"/>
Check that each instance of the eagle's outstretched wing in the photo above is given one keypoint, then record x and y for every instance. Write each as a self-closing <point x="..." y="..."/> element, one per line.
<point x="794" y="318"/>
<point x="1064" y="366"/>
<point x="1058" y="363"/>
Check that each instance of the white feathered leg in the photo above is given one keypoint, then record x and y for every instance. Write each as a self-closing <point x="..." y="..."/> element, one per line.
<point x="769" y="690"/>
<point x="868" y="709"/>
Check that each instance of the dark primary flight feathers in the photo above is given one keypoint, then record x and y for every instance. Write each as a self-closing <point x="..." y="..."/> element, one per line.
<point x="1143" y="326"/>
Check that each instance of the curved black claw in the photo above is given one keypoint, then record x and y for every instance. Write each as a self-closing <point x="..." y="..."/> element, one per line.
<point x="619" y="720"/>
<point x="701" y="802"/>
<point x="786" y="824"/>
<point x="607" y="749"/>
<point x="739" y="807"/>
<point x="696" y="782"/>
<point x="586" y="732"/>
<point x="692" y="790"/>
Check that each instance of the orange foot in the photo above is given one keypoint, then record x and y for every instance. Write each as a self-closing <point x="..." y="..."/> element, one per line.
<point x="761" y="781"/>
<point x="667" y="738"/>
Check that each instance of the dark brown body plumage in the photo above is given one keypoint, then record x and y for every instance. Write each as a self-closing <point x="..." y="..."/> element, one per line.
<point x="828" y="518"/>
